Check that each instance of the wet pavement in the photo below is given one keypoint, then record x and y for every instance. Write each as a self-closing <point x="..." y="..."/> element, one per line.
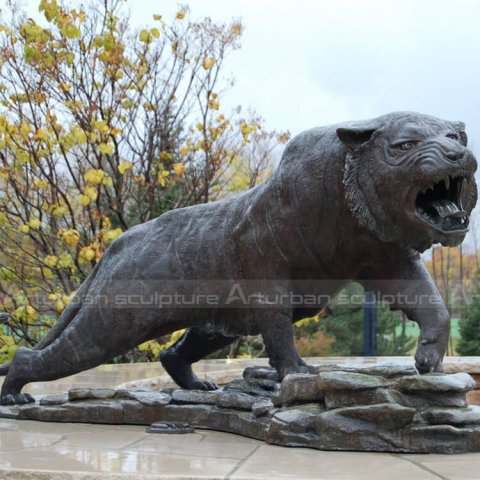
<point x="31" y="450"/>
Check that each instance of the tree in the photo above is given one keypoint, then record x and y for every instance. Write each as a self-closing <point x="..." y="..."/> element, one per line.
<point x="344" y="322"/>
<point x="469" y="343"/>
<point x="310" y="340"/>
<point x="103" y="127"/>
<point x="453" y="272"/>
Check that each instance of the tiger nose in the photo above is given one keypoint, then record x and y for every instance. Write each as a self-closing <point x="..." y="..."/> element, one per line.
<point x="455" y="155"/>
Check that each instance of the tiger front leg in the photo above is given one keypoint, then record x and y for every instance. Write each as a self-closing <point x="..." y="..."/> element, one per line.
<point x="433" y="339"/>
<point x="411" y="289"/>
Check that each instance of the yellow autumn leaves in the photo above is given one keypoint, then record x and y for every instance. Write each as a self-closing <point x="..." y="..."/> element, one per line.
<point x="87" y="253"/>
<point x="78" y="176"/>
<point x="147" y="36"/>
<point x="90" y="194"/>
<point x="39" y="183"/>
<point x="111" y="235"/>
<point x="98" y="134"/>
<point x="63" y="260"/>
<point x="163" y="175"/>
<point x="96" y="176"/>
<point x="106" y="148"/>
<point x="213" y="101"/>
<point x="153" y="348"/>
<point x="71" y="237"/>
<point x="79" y="135"/>
<point x="60" y="300"/>
<point x="125" y="166"/>
<point x="26" y="312"/>
<point x="208" y="63"/>
<point x="65" y="21"/>
<point x="33" y="223"/>
<point x="36" y="38"/>
<point x="179" y="169"/>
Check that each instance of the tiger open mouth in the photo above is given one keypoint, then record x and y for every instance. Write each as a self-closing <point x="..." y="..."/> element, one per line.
<point x="440" y="204"/>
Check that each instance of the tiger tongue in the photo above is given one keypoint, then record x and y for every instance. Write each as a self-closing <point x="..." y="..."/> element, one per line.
<point x="446" y="209"/>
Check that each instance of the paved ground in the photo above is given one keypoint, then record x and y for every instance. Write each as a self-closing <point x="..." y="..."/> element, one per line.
<point x="78" y="451"/>
<point x="54" y="451"/>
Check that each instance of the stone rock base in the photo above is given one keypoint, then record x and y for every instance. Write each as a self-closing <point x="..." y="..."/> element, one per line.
<point x="387" y="408"/>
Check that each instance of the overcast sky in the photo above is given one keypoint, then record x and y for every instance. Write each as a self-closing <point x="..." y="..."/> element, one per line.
<point x="305" y="63"/>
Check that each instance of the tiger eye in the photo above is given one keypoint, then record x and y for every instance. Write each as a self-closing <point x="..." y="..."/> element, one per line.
<point x="408" y="146"/>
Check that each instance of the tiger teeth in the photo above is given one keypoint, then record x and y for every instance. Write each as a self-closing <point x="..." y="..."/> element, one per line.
<point x="447" y="183"/>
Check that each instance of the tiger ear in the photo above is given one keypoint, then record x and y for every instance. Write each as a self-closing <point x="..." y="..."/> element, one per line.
<point x="460" y="129"/>
<point x="354" y="137"/>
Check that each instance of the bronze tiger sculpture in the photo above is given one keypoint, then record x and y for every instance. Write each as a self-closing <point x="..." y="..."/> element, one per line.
<point x="349" y="202"/>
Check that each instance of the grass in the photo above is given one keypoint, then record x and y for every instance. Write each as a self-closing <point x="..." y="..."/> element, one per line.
<point x="412" y="330"/>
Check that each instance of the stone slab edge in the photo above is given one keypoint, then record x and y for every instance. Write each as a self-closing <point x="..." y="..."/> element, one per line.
<point x="306" y="410"/>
